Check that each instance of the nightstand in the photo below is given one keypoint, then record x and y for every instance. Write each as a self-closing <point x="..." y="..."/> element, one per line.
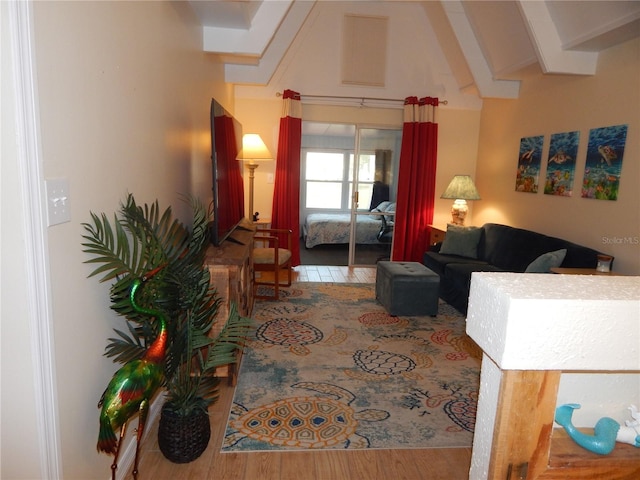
<point x="437" y="234"/>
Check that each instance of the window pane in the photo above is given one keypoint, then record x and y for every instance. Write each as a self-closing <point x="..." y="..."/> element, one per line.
<point x="324" y="166"/>
<point x="351" y="168"/>
<point x="365" y="192"/>
<point x="324" y="195"/>
<point x="367" y="168"/>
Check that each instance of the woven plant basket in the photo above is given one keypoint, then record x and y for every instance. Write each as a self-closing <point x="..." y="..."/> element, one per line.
<point x="182" y="439"/>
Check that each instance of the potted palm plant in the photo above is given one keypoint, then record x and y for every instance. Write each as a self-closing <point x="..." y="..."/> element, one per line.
<point x="142" y="239"/>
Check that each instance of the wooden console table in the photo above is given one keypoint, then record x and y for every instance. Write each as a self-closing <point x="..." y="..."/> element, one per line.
<point x="231" y="269"/>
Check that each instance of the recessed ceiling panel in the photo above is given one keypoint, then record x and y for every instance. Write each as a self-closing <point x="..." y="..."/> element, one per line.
<point x="364" y="50"/>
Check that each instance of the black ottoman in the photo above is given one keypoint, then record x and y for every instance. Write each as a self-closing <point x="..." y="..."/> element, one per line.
<point x="407" y="288"/>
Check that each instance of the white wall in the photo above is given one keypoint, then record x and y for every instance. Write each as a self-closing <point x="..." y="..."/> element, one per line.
<point x="124" y="107"/>
<point x="562" y="103"/>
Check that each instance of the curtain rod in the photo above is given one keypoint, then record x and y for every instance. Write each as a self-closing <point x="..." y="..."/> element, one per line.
<point x="362" y="99"/>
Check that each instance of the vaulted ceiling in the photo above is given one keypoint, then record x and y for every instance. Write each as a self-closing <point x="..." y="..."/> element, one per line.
<point x="487" y="45"/>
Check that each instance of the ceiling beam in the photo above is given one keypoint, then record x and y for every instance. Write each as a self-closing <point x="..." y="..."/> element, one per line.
<point x="548" y="45"/>
<point x="261" y="73"/>
<point x="252" y="41"/>
<point x="486" y="84"/>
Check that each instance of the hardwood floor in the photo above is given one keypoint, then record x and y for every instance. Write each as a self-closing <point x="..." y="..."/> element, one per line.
<point x="411" y="464"/>
<point x="308" y="273"/>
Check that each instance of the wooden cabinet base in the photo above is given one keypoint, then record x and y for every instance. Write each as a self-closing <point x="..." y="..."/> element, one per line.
<point x="526" y="446"/>
<point x="569" y="460"/>
<point x="231" y="269"/>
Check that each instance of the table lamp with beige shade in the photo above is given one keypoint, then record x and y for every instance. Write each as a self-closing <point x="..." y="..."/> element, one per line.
<point x="460" y="189"/>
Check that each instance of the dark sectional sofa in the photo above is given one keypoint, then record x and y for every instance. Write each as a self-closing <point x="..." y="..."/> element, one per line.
<point x="499" y="248"/>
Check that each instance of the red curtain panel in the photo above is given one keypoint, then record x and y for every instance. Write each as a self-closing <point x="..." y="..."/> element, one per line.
<point x="286" y="195"/>
<point x="416" y="179"/>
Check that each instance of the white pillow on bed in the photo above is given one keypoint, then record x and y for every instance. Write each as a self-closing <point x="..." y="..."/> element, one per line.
<point x="391" y="208"/>
<point x="382" y="207"/>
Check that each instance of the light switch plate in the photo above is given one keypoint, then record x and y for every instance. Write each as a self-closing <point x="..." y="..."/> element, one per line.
<point x="58" y="202"/>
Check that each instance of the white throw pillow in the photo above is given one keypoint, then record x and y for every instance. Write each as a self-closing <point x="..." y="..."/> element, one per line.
<point x="545" y="262"/>
<point x="382" y="206"/>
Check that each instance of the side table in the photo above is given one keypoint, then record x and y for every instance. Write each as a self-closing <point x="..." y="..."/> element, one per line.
<point x="436" y="234"/>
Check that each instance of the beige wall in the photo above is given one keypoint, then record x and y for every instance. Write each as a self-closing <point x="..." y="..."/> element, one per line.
<point x="555" y="104"/>
<point x="457" y="141"/>
<point x="124" y="91"/>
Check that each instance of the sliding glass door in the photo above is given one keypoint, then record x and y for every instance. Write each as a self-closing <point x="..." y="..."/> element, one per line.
<point x="347" y="172"/>
<point x="375" y="174"/>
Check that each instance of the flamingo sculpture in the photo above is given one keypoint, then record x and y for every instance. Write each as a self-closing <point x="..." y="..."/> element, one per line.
<point x="132" y="387"/>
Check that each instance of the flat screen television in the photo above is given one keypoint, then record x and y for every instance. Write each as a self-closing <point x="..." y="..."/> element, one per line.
<point x="228" y="187"/>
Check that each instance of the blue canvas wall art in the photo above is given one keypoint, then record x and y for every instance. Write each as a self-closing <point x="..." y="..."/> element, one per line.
<point x="603" y="166"/>
<point x="561" y="164"/>
<point x="529" y="159"/>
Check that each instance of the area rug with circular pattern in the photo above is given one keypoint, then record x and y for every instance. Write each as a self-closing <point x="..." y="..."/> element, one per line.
<point x="327" y="367"/>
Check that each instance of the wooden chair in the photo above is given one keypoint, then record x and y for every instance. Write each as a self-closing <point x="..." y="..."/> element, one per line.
<point x="270" y="256"/>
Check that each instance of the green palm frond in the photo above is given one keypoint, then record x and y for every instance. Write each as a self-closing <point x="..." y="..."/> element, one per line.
<point x="137" y="240"/>
<point x="126" y="347"/>
<point x="195" y="385"/>
<point x="193" y="326"/>
<point x="186" y="393"/>
<point x="111" y="249"/>
<point x="231" y="338"/>
<point x="161" y="239"/>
